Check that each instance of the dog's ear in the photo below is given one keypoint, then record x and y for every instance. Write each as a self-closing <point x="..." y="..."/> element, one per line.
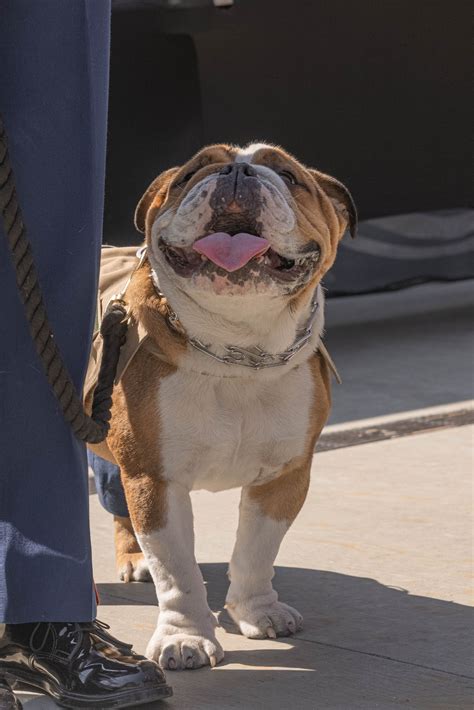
<point x="154" y="194"/>
<point x="340" y="197"/>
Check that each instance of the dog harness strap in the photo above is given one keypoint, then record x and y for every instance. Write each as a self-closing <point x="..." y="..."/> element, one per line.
<point x="325" y="353"/>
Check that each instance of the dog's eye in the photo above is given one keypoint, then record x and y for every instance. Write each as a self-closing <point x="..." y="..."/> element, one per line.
<point x="288" y="176"/>
<point x="186" y="178"/>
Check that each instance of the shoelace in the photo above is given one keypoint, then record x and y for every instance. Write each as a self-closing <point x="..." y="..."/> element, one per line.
<point x="48" y="631"/>
<point x="98" y="628"/>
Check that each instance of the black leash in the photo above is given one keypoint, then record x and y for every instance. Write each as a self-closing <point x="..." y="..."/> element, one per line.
<point x="94" y="428"/>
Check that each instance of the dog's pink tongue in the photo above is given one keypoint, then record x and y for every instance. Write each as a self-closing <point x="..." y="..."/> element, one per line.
<point x="231" y="253"/>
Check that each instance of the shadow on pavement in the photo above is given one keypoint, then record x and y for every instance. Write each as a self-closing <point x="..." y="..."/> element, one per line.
<point x="345" y="612"/>
<point x="401" y="364"/>
<point x="364" y="646"/>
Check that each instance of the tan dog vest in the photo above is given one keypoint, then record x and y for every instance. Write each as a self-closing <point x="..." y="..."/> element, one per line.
<point x="117" y="265"/>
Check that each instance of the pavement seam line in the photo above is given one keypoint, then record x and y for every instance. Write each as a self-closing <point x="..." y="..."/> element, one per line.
<point x="365" y="653"/>
<point x="369" y="653"/>
<point x="224" y="625"/>
<point x="386" y="658"/>
<point x="394" y="430"/>
<point x="133" y="600"/>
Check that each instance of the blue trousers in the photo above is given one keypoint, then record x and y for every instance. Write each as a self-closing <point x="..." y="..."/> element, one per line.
<point x="54" y="58"/>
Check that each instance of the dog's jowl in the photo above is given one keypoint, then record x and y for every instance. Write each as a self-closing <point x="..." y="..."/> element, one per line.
<point x="228" y="384"/>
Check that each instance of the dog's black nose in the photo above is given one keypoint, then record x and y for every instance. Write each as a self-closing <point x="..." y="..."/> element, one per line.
<point x="238" y="169"/>
<point x="237" y="190"/>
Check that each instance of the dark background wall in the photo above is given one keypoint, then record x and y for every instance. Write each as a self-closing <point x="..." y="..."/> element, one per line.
<point x="374" y="92"/>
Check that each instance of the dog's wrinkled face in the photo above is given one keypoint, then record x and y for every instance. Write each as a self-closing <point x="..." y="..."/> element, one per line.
<point x="233" y="221"/>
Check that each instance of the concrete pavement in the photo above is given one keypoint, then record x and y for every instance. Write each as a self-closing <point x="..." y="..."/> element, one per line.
<point x="379" y="561"/>
<point x="399" y="364"/>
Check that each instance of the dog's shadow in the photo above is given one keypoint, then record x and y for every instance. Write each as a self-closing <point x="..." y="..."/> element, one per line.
<point x="364" y="645"/>
<point x="343" y="611"/>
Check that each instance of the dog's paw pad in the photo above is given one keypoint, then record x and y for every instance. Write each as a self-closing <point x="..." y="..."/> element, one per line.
<point x="133" y="568"/>
<point x="184" y="651"/>
<point x="256" y="622"/>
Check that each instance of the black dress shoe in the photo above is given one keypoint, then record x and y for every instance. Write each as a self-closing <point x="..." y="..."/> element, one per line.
<point x="7" y="699"/>
<point x="79" y="665"/>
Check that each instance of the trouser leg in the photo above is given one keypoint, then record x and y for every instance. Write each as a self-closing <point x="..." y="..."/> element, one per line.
<point x="54" y="58"/>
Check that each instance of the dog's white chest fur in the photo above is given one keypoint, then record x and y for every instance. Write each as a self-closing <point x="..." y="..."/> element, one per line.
<point x="218" y="433"/>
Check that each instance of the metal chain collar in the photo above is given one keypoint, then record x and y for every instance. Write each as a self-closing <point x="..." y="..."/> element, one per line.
<point x="255" y="358"/>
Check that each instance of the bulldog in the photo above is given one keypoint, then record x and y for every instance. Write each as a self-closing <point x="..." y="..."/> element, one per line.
<point x="230" y="387"/>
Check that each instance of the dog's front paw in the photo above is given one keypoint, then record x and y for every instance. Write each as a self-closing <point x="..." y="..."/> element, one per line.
<point x="178" y="651"/>
<point x="132" y="567"/>
<point x="259" y="618"/>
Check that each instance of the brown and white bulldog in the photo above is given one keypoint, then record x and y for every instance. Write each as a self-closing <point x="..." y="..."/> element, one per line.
<point x="230" y="388"/>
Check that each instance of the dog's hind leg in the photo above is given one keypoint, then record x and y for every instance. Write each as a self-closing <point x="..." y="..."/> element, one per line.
<point x="130" y="561"/>
<point x="266" y="513"/>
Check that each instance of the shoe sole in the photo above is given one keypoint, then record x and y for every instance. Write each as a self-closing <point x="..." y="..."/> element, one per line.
<point x="124" y="699"/>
